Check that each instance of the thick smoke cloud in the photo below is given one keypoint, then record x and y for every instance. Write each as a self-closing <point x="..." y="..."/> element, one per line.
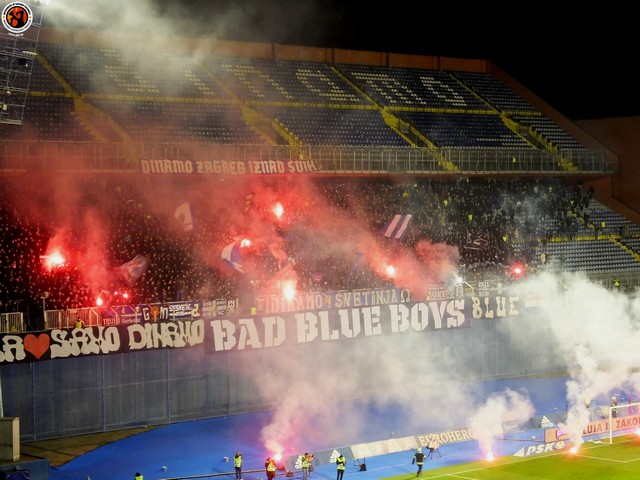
<point x="595" y="330"/>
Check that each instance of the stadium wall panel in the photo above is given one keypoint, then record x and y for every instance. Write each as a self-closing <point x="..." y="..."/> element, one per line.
<point x="64" y="397"/>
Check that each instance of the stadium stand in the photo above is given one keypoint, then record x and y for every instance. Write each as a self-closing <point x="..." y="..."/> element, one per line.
<point x="404" y="87"/>
<point x="443" y="109"/>
<point x="483" y="179"/>
<point x="495" y="93"/>
<point x="464" y="130"/>
<point x="284" y="82"/>
<point x="84" y="93"/>
<point x="146" y="120"/>
<point x="332" y="126"/>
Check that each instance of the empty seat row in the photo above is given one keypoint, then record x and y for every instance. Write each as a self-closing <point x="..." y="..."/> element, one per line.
<point x="464" y="130"/>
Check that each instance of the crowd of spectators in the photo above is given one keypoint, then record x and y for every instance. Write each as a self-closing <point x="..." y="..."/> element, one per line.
<point x="489" y="222"/>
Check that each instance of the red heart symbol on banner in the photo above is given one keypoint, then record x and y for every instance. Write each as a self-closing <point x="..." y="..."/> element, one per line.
<point x="36" y="345"/>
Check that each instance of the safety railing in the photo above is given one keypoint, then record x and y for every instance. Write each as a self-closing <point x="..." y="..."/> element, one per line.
<point x="12" y="322"/>
<point x="190" y="310"/>
<point x="129" y="314"/>
<point x="218" y="159"/>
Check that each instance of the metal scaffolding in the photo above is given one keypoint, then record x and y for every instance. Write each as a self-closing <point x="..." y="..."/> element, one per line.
<point x="21" y="23"/>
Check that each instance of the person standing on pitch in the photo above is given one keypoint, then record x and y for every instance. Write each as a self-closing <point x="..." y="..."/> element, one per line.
<point x="307" y="458"/>
<point x="237" y="464"/>
<point x="341" y="464"/>
<point x="418" y="459"/>
<point x="270" y="466"/>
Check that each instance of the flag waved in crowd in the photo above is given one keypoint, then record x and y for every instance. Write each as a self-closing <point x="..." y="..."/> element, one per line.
<point x="233" y="257"/>
<point x="397" y="226"/>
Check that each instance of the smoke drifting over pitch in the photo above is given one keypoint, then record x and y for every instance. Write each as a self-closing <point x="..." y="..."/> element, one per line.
<point x="595" y="330"/>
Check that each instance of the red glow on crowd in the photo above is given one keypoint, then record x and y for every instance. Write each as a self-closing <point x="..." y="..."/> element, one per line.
<point x="107" y="298"/>
<point x="53" y="259"/>
<point x="121" y="294"/>
<point x="517" y="271"/>
<point x="278" y="210"/>
<point x="289" y="291"/>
